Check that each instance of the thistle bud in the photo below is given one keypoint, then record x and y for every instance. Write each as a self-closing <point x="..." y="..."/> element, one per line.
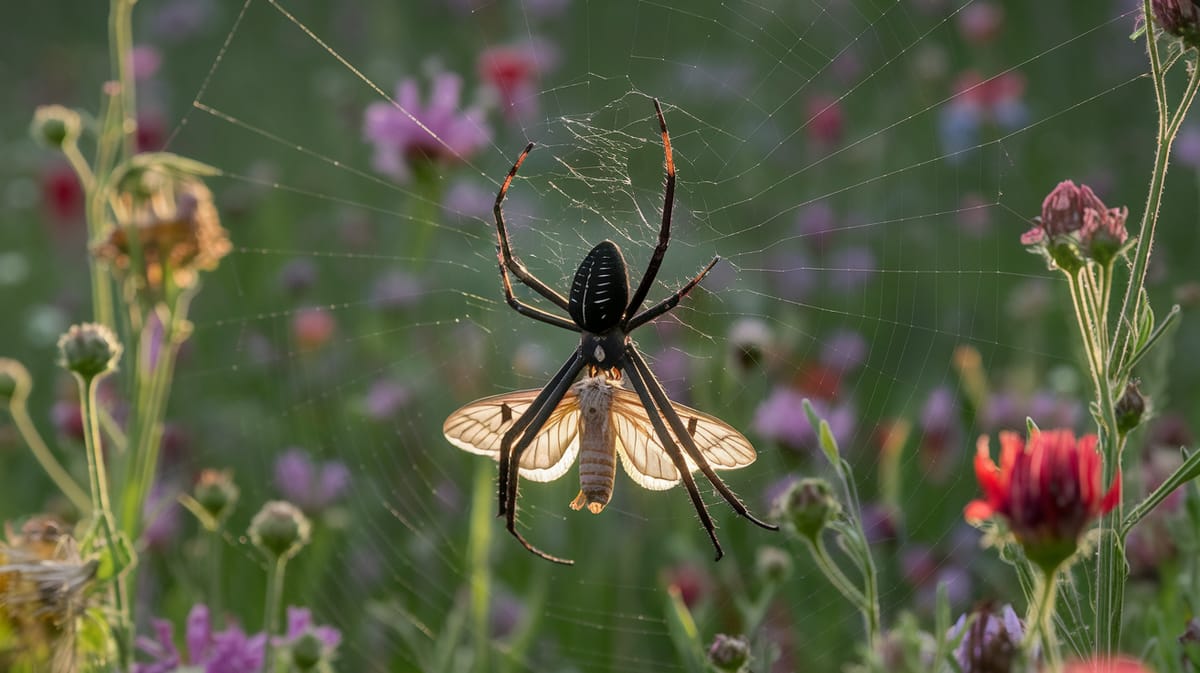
<point x="14" y="382"/>
<point x="216" y="493"/>
<point x="89" y="350"/>
<point x="729" y="654"/>
<point x="280" y="530"/>
<point x="307" y="652"/>
<point x="55" y="126"/>
<point x="773" y="564"/>
<point x="1180" y="18"/>
<point x="806" y="507"/>
<point x="1130" y="408"/>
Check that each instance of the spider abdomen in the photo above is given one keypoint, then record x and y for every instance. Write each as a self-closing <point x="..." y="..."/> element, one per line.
<point x="597" y="445"/>
<point x="600" y="291"/>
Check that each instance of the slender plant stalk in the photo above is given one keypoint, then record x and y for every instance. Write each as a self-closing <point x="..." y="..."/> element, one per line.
<point x="479" y="545"/>
<point x="275" y="575"/>
<point x="1110" y="558"/>
<point x="837" y="578"/>
<point x="59" y="475"/>
<point x="102" y="512"/>
<point x="1042" y="618"/>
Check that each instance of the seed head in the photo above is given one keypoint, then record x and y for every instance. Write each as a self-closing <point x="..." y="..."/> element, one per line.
<point x="55" y="126"/>
<point x="280" y="530"/>
<point x="89" y="350"/>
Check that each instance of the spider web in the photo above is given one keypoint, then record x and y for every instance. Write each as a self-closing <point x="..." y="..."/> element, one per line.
<point x="821" y="152"/>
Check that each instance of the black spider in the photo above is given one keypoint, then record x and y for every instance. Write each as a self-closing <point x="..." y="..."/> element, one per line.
<point x="602" y="311"/>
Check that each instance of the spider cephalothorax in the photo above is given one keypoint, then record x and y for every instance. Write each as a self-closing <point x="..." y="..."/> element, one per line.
<point x="603" y="312"/>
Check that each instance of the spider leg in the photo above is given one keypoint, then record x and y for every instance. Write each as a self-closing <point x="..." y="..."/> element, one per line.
<point x="670" y="302"/>
<point x="531" y="311"/>
<point x="508" y="466"/>
<point x="664" y="232"/>
<point x="689" y="444"/>
<point x="510" y="459"/>
<point x="664" y="436"/>
<point x="512" y="263"/>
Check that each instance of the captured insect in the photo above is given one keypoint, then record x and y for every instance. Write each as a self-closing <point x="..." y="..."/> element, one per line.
<point x="537" y="434"/>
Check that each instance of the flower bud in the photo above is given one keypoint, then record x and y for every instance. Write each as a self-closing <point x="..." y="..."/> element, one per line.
<point x="1130" y="408"/>
<point x="55" y="126"/>
<point x="307" y="652"/>
<point x="89" y="350"/>
<point x="1180" y="18"/>
<point x="806" y="507"/>
<point x="280" y="530"/>
<point x="216" y="493"/>
<point x="729" y="653"/>
<point x="773" y="564"/>
<point x="14" y="382"/>
<point x="1189" y="641"/>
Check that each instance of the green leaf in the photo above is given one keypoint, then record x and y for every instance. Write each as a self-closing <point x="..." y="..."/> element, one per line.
<point x="683" y="632"/>
<point x="93" y="638"/>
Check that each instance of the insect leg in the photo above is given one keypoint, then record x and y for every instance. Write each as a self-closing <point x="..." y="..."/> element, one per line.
<point x="639" y="386"/>
<point x="689" y="444"/>
<point x="549" y="398"/>
<point x="508" y="467"/>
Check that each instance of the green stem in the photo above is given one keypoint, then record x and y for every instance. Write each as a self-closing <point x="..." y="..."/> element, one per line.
<point x="41" y="451"/>
<point x="479" y="545"/>
<point x="1043" y="623"/>
<point x="275" y="576"/>
<point x="838" y="579"/>
<point x="102" y="511"/>
<point x="120" y="41"/>
<point x="214" y="578"/>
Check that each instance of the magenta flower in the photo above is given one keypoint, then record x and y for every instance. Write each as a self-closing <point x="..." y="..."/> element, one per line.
<point x="311" y="486"/>
<point x="227" y="651"/>
<point x="992" y="643"/>
<point x="406" y="132"/>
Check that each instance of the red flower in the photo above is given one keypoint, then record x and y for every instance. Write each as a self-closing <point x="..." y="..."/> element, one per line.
<point x="1098" y="665"/>
<point x="1048" y="490"/>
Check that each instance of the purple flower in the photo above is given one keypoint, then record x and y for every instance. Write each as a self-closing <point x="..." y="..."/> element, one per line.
<point x="844" y="351"/>
<point x="227" y="651"/>
<point x="178" y="20"/>
<point x="1187" y="147"/>
<point x="781" y="418"/>
<point x="300" y="627"/>
<point x="406" y="131"/>
<point x="817" y="222"/>
<point x="991" y="644"/>
<point x="311" y="486"/>
<point x="298" y="276"/>
<point x="793" y="276"/>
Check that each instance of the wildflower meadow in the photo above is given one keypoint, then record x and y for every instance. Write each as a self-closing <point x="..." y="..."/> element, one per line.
<point x="553" y="335"/>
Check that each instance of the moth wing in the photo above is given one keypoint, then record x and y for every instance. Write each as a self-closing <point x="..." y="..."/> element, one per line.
<point x="645" y="459"/>
<point x="479" y="427"/>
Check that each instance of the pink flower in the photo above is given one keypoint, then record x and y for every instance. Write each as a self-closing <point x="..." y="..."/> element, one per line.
<point x="407" y="132"/>
<point x="312" y="328"/>
<point x="227" y="651"/>
<point x="1100" y="665"/>
<point x="980" y="22"/>
<point x="312" y="486"/>
<point x="513" y="72"/>
<point x="825" y="120"/>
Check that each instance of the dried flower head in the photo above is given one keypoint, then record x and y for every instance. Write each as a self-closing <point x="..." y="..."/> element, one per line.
<point x="167" y="221"/>
<point x="43" y="585"/>
<point x="1048" y="490"/>
<point x="89" y="350"/>
<point x="280" y="530"/>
